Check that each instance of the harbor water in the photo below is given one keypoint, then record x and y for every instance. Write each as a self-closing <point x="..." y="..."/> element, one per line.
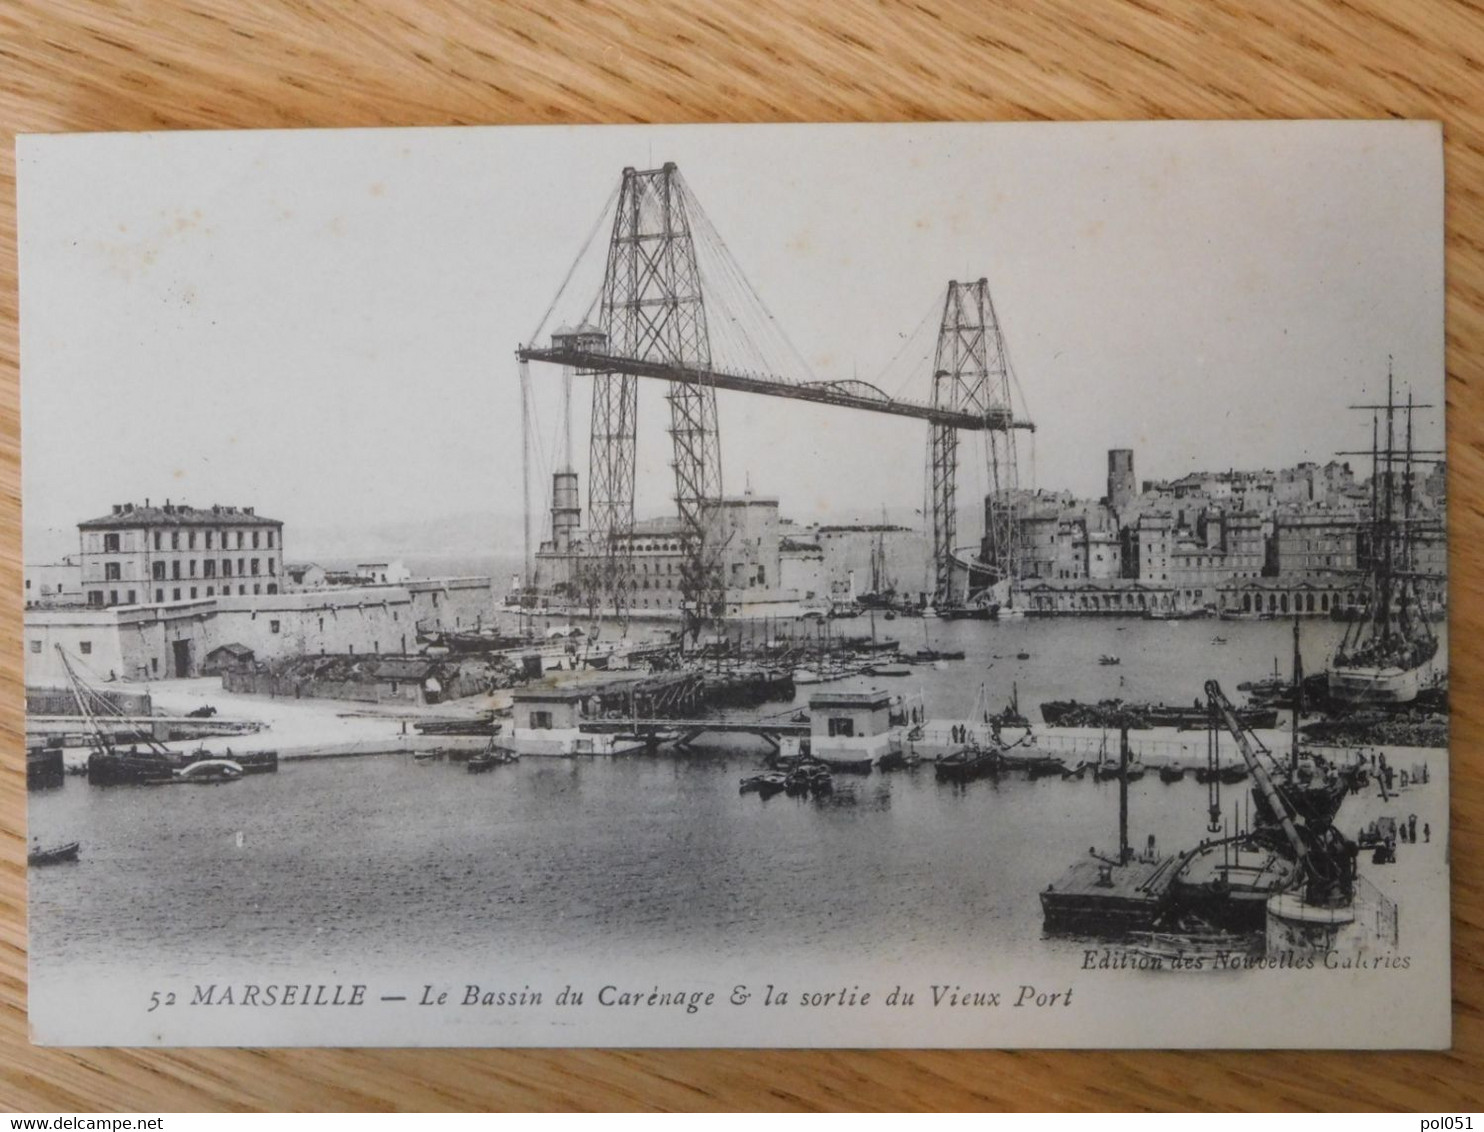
<point x="331" y="862"/>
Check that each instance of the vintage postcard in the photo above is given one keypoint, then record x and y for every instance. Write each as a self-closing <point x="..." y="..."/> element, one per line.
<point x="913" y="585"/>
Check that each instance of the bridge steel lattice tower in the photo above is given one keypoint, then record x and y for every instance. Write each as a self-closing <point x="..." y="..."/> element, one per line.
<point x="971" y="374"/>
<point x="652" y="312"/>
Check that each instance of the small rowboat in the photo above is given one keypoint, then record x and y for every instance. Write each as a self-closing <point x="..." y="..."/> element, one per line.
<point x="487" y="760"/>
<point x="55" y="855"/>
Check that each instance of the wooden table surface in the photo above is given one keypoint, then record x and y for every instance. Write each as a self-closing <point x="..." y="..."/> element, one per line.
<point x="70" y="65"/>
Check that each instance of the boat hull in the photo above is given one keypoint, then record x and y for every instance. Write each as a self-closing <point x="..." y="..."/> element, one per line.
<point x="55" y="856"/>
<point x="1098" y="897"/>
<point x="1389" y="685"/>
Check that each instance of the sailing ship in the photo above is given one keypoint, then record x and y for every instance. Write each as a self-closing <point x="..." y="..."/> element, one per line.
<point x="1313" y="784"/>
<point x="883" y="591"/>
<point x="1390" y="654"/>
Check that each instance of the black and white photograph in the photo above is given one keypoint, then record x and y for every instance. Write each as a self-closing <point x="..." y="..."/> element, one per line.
<point x="808" y="586"/>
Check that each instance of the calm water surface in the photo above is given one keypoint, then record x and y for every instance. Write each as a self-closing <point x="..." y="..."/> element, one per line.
<point x="334" y="861"/>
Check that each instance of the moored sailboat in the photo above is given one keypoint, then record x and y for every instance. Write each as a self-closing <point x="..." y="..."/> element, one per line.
<point x="1389" y="655"/>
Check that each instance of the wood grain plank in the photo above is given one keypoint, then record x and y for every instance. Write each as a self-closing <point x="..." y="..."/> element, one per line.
<point x="67" y="65"/>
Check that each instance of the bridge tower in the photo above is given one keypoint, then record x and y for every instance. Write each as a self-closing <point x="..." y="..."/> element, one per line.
<point x="652" y="311"/>
<point x="971" y="373"/>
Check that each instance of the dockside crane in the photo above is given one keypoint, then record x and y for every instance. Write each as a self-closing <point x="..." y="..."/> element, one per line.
<point x="1325" y="859"/>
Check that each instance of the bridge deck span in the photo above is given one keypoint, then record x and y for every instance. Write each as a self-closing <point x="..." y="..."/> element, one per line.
<point x="690" y="729"/>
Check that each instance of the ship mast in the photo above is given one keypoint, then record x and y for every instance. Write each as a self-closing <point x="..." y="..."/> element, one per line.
<point x="1404" y="613"/>
<point x="1298" y="696"/>
<point x="1388" y="550"/>
<point x="90" y="704"/>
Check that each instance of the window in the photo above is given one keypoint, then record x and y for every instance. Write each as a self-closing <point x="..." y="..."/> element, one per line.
<point x="540" y="720"/>
<point x="842" y="726"/>
<point x="242" y="590"/>
<point x="226" y="567"/>
<point x="255" y="537"/>
<point x="208" y="539"/>
<point x="35" y="646"/>
<point x="257" y="589"/>
<point x="193" y="592"/>
<point x="111" y="571"/>
<point x="95" y="597"/>
<point x="159" y="595"/>
<point x="210" y="591"/>
<point x="113" y="597"/>
<point x="191" y="540"/>
<point x="241" y="566"/>
<point x="255" y="562"/>
<point x="272" y="566"/>
<point x="208" y="568"/>
<point x="85" y="647"/>
<point x="174" y="540"/>
<point x="157" y="540"/>
<point x="270" y="540"/>
<point x="272" y="589"/>
<point x="273" y="626"/>
<point x="239" y="540"/>
<point x="193" y="567"/>
<point x="154" y="664"/>
<point x="131" y="597"/>
<point x="175" y="571"/>
<point x="110" y="544"/>
<point x="157" y="571"/>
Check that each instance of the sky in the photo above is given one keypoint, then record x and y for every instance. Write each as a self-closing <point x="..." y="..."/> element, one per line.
<point x="323" y="324"/>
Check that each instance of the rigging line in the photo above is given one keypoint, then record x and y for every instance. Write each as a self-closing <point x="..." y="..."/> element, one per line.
<point x="731" y="261"/>
<point x="740" y="335"/>
<point x="587" y="243"/>
<point x="917" y="336"/>
<point x="721" y="299"/>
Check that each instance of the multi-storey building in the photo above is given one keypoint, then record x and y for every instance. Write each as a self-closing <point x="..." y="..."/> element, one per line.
<point x="1156" y="537"/>
<point x="746" y="530"/>
<point x="1311" y="541"/>
<point x="141" y="555"/>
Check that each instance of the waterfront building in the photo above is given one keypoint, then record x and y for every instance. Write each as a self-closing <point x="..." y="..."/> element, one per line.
<point x="1039" y="522"/>
<point x="1111" y="597"/>
<point x="1200" y="538"/>
<point x="304" y="576"/>
<point x="162" y="589"/>
<point x="1313" y="540"/>
<point x="54" y="583"/>
<point x="174" y="639"/>
<point x="383" y="573"/>
<point x="1321" y="595"/>
<point x="142" y="554"/>
<point x="801" y="567"/>
<point x="768" y="565"/>
<point x="1155" y="538"/>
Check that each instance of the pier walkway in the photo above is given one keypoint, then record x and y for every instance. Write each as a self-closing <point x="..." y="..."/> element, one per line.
<point x="689" y="730"/>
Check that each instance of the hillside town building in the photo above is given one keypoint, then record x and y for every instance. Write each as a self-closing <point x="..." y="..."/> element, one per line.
<point x="1255" y="543"/>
